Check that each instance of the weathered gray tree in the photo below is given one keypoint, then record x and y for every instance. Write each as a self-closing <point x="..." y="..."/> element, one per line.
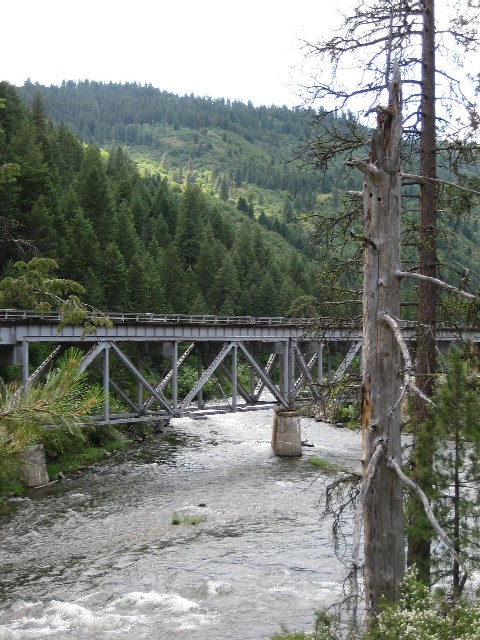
<point x="376" y="33"/>
<point x="381" y="362"/>
<point x="386" y="367"/>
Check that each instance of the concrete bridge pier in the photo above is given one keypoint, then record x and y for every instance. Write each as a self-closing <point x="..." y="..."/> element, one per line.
<point x="286" y="434"/>
<point x="34" y="469"/>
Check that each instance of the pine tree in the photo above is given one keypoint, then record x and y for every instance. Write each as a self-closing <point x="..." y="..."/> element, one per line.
<point x="123" y="175"/>
<point x="289" y="292"/>
<point x="207" y="266"/>
<point x="113" y="278"/>
<point x="174" y="281"/>
<point x="32" y="285"/>
<point x="165" y="204"/>
<point x="139" y="203"/>
<point x="95" y="196"/>
<point x="227" y="288"/>
<point x="243" y="252"/>
<point x="199" y="306"/>
<point x="94" y="293"/>
<point x="456" y="458"/>
<point x="43" y="130"/>
<point x="263" y="296"/>
<point x="190" y="224"/>
<point x="34" y="188"/>
<point x="138" y="286"/>
<point x="83" y="249"/>
<point x="125" y="234"/>
<point x="156" y="291"/>
<point x="68" y="154"/>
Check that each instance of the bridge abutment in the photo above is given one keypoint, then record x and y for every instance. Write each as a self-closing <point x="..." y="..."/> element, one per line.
<point x="286" y="433"/>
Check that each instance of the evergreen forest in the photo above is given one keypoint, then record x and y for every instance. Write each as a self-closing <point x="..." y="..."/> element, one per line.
<point x="167" y="204"/>
<point x="140" y="237"/>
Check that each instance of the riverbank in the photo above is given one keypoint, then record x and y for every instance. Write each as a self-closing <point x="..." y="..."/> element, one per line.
<point x="75" y="454"/>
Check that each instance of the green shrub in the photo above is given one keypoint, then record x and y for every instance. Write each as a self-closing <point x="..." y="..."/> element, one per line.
<point x="323" y="465"/>
<point x="285" y="634"/>
<point x="420" y="615"/>
<point x="322" y="631"/>
<point x="348" y="414"/>
<point x="187" y="519"/>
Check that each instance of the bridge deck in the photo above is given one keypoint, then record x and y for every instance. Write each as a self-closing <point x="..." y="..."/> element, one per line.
<point x="16" y="326"/>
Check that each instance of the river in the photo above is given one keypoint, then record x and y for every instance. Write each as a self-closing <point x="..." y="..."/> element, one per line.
<point x="96" y="556"/>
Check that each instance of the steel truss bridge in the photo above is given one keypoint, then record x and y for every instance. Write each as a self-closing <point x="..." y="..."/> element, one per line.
<point x="282" y="355"/>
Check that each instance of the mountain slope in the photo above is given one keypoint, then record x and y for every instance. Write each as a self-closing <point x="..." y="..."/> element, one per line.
<point x="139" y="241"/>
<point x="242" y="157"/>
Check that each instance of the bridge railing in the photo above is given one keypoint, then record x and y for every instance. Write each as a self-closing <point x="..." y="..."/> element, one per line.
<point x="18" y="315"/>
<point x="316" y="326"/>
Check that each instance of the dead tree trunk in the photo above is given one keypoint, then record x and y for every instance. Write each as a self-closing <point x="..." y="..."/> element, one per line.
<point x="381" y="383"/>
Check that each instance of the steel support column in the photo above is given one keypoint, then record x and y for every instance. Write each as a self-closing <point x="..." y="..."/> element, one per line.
<point x="175" y="378"/>
<point x="24" y="363"/>
<point x="234" y="377"/>
<point x="106" y="383"/>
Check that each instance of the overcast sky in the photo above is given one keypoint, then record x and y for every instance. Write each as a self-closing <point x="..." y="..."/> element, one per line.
<point x="247" y="50"/>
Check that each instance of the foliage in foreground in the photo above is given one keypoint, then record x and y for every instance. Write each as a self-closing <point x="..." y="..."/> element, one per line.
<point x="60" y="401"/>
<point x="418" y="615"/>
<point x="421" y="615"/>
<point x="450" y="445"/>
<point x="34" y="286"/>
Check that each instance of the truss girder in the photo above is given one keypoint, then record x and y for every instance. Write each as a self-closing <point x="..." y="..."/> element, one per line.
<point x="290" y="359"/>
<point x="263" y="376"/>
<point x="90" y="356"/>
<point x="240" y="388"/>
<point x="119" y="391"/>
<point x="268" y="368"/>
<point x="160" y="387"/>
<point x="51" y="359"/>
<point x="158" y="395"/>
<point x="344" y="365"/>
<point x="207" y="374"/>
<point x="306" y="374"/>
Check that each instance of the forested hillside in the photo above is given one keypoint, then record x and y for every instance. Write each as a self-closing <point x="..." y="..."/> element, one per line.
<point x="236" y="142"/>
<point x="138" y="240"/>
<point x="161" y="203"/>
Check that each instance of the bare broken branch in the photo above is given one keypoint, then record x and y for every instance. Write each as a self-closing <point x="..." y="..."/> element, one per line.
<point x="362" y="238"/>
<point x="408" y="368"/>
<point x="429" y="513"/>
<point x="440" y="283"/>
<point x="410" y="178"/>
<point x="365" y="166"/>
